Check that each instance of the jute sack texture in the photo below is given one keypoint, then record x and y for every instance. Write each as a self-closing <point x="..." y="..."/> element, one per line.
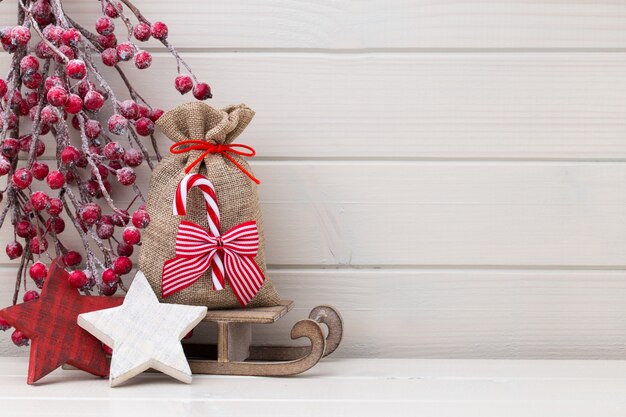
<point x="237" y="197"/>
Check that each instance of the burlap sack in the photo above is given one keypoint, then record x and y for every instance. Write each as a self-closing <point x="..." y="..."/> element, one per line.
<point x="236" y="193"/>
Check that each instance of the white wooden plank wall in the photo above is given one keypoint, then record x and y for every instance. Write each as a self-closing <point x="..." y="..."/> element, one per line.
<point x="451" y="175"/>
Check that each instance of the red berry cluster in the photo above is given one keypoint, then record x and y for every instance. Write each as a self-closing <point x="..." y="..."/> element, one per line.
<point x="66" y="141"/>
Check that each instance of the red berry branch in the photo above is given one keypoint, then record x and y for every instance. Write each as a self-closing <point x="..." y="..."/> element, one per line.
<point x="55" y="91"/>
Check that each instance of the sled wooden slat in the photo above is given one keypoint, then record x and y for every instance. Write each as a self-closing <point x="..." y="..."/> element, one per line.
<point x="261" y="315"/>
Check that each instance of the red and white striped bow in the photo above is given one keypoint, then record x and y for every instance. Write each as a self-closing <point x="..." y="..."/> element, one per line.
<point x="229" y="255"/>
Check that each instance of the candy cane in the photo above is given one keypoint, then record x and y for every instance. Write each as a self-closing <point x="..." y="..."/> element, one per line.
<point x="179" y="208"/>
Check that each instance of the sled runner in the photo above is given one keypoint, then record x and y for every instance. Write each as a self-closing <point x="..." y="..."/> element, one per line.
<point x="235" y="354"/>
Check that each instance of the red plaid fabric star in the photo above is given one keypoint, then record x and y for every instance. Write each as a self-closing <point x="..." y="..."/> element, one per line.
<point x="50" y="323"/>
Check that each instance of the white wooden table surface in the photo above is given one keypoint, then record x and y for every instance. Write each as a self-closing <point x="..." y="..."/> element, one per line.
<point x="342" y="387"/>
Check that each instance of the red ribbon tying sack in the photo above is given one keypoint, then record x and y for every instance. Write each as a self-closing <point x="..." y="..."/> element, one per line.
<point x="207" y="147"/>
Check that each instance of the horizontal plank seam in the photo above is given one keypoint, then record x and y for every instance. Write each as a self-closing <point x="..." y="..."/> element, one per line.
<point x="420" y="267"/>
<point x="295" y="268"/>
<point x="388" y="50"/>
<point x="393" y="159"/>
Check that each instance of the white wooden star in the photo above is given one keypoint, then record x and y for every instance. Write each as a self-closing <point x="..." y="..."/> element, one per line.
<point x="144" y="333"/>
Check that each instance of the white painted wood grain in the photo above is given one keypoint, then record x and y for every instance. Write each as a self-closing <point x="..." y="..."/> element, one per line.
<point x="412" y="105"/>
<point x="449" y="313"/>
<point x="354" y="24"/>
<point x="468" y="106"/>
<point x="434" y="213"/>
<point x="339" y="388"/>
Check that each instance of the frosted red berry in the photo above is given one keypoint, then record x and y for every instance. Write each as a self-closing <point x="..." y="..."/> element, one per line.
<point x="29" y="65"/>
<point x="107" y="41"/>
<point x="66" y="52"/>
<point x="109" y="57"/>
<point x="141" y="219"/>
<point x="49" y="115"/>
<point x="93" y="188"/>
<point x="5" y="166"/>
<point x="3" y="88"/>
<point x="124" y="249"/>
<point x="57" y="96"/>
<point x="133" y="158"/>
<point x="40" y="170"/>
<point x="38" y="271"/>
<point x="118" y="124"/>
<point x="159" y="30"/>
<point x="144" y="111"/>
<point x="108" y="290"/>
<point x="72" y="258"/>
<point x="39" y="200"/>
<point x="22" y="178"/>
<point x="156" y="114"/>
<point x="32" y="81"/>
<point x="109" y="276"/>
<point x="30" y="296"/>
<point x="183" y="83"/>
<point x="52" y="81"/>
<point x="105" y="26"/>
<point x="25" y="143"/>
<point x="122" y="265"/>
<point x="113" y="151"/>
<point x="104" y="229"/>
<point x="69" y="155"/>
<point x="71" y="37"/>
<point x="131" y="235"/>
<point x="143" y="59"/>
<point x="129" y="109"/>
<point x="90" y="213"/>
<point x="113" y="9"/>
<point x="77" y="279"/>
<point x="42" y="11"/>
<point x="202" y="91"/>
<point x="76" y="69"/>
<point x="43" y="51"/>
<point x="125" y="51"/>
<point x="27" y="207"/>
<point x="93" y="129"/>
<point x="120" y="218"/>
<point x="24" y="107"/>
<point x="126" y="176"/>
<point x="142" y="32"/>
<point x="20" y="35"/>
<point x="74" y="104"/>
<point x="55" y="180"/>
<point x="55" y="223"/>
<point x="93" y="101"/>
<point x="38" y="245"/>
<point x="19" y="339"/>
<point x="10" y="147"/>
<point x="54" y="34"/>
<point x="144" y="126"/>
<point x="14" y="249"/>
<point x="40" y="148"/>
<point x="25" y="229"/>
<point x="56" y="207"/>
<point x="85" y="86"/>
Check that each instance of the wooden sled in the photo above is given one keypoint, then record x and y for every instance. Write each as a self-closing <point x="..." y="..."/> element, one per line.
<point x="234" y="353"/>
